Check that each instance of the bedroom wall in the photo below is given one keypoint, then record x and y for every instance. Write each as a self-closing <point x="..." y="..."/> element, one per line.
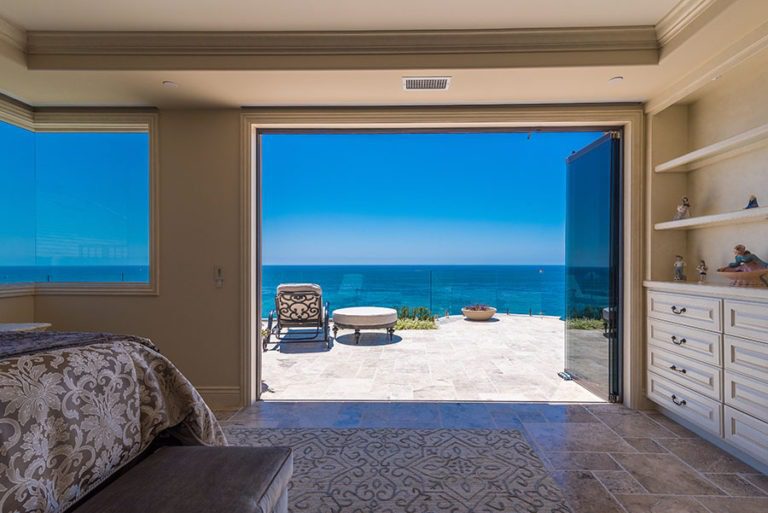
<point x="17" y="309"/>
<point x="193" y="323"/>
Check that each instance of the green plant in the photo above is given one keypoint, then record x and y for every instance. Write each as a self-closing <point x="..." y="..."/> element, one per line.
<point x="421" y="313"/>
<point x="477" y="308"/>
<point x="583" y="323"/>
<point x="415" y="324"/>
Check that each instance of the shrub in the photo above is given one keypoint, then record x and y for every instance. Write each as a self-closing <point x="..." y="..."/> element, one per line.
<point x="477" y="308"/>
<point x="420" y="313"/>
<point x="583" y="323"/>
<point x="415" y="324"/>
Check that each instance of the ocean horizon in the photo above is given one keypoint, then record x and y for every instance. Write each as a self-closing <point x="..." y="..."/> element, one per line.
<point x="520" y="289"/>
<point x="514" y="289"/>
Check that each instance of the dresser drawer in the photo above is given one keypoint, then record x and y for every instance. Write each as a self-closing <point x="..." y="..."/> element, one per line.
<point x="694" y="343"/>
<point x="746" y="319"/>
<point x="699" y="312"/>
<point x="746" y="394"/>
<point x="746" y="433"/>
<point x="698" y="376"/>
<point x="747" y="357"/>
<point x="695" y="408"/>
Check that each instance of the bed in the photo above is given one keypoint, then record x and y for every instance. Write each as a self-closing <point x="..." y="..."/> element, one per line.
<point x="77" y="407"/>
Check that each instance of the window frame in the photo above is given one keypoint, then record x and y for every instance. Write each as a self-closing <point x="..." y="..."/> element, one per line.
<point x="78" y="120"/>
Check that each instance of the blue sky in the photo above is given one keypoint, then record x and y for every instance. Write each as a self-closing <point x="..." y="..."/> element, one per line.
<point x="439" y="198"/>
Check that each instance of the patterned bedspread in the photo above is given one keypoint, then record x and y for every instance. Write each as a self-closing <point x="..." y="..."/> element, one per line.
<point x="77" y="408"/>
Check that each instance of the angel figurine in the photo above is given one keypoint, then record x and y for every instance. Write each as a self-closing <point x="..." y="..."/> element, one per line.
<point x="679" y="268"/>
<point x="683" y="209"/>
<point x="702" y="270"/>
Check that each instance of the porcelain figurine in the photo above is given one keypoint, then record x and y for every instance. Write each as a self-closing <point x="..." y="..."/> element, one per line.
<point x="683" y="209"/>
<point x="752" y="202"/>
<point x="679" y="268"/>
<point x="744" y="261"/>
<point x="702" y="269"/>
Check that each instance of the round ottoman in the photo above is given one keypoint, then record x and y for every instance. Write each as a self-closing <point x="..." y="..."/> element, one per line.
<point x="364" y="318"/>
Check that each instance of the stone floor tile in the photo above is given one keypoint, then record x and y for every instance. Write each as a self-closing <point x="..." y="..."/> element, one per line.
<point x="581" y="461"/>
<point x="660" y="504"/>
<point x="734" y="504"/>
<point x="735" y="485"/>
<point x="671" y="425"/>
<point x="637" y="425"/>
<point x="644" y="444"/>
<point x="584" y="492"/>
<point x="619" y="482"/>
<point x="562" y="436"/>
<point x="704" y="456"/>
<point x="665" y="474"/>
<point x="759" y="480"/>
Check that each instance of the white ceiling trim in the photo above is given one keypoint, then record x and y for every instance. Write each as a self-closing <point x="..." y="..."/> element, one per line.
<point x="680" y="17"/>
<point x="12" y="35"/>
<point x="151" y="50"/>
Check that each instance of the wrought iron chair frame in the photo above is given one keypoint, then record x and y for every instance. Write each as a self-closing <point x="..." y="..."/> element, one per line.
<point x="275" y="324"/>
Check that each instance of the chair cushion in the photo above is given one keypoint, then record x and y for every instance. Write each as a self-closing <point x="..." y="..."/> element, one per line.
<point x="363" y="316"/>
<point x="299" y="287"/>
<point x="194" y="479"/>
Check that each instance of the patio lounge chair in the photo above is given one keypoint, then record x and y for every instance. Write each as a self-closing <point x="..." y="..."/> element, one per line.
<point x="298" y="305"/>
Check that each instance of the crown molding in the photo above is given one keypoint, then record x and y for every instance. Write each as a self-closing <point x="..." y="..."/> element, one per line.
<point x="13" y="35"/>
<point x="302" y="50"/>
<point x="752" y="44"/>
<point x="679" y="18"/>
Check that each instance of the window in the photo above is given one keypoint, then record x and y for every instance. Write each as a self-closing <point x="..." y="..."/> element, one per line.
<point x="76" y="206"/>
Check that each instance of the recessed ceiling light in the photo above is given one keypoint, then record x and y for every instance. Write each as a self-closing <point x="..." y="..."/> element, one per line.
<point x="616" y="79"/>
<point x="169" y="84"/>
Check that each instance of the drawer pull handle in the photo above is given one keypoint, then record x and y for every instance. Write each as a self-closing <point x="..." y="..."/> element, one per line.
<point x="674" y="368"/>
<point x="679" y="403"/>
<point x="678" y="311"/>
<point x="679" y="342"/>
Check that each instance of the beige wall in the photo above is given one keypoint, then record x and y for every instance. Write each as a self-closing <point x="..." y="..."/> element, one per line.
<point x="17" y="309"/>
<point x="193" y="323"/>
<point x="736" y="104"/>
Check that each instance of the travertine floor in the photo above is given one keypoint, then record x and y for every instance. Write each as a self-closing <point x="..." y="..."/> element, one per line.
<point x="514" y="358"/>
<point x="606" y="458"/>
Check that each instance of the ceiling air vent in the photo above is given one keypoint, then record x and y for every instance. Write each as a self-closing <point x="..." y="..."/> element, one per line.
<point x="426" y="83"/>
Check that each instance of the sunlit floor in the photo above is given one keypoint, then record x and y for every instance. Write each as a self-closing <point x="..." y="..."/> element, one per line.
<point x="512" y="358"/>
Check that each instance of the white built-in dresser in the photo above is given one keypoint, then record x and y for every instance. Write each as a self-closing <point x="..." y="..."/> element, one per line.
<point x="707" y="360"/>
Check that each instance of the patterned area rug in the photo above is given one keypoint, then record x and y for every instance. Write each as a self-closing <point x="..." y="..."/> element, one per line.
<point x="411" y="470"/>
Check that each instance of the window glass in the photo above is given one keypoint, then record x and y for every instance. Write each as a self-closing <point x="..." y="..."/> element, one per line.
<point x="17" y="204"/>
<point x="75" y="206"/>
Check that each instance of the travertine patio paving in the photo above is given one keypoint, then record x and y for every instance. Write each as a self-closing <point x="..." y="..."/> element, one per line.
<point x="515" y="358"/>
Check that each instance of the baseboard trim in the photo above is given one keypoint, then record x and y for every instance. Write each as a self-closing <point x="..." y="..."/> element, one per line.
<point x="221" y="398"/>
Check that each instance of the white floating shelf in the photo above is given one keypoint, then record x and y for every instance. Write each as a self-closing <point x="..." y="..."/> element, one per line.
<point x="742" y="143"/>
<point x="752" y="215"/>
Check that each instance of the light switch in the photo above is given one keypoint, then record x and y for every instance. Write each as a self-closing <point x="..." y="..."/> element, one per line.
<point x="218" y="276"/>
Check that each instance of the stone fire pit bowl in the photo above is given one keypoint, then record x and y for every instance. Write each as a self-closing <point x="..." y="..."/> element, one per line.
<point x="479" y="315"/>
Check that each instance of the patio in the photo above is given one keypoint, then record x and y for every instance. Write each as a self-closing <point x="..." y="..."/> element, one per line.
<point x="513" y="358"/>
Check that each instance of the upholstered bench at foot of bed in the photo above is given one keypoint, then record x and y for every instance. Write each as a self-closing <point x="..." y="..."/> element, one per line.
<point x="200" y="480"/>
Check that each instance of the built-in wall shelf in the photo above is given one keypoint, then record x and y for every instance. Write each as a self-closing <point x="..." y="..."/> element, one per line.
<point x="716" y="287"/>
<point x="742" y="143"/>
<point x="751" y="215"/>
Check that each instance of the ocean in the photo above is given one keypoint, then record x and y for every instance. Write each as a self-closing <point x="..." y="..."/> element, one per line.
<point x="518" y="289"/>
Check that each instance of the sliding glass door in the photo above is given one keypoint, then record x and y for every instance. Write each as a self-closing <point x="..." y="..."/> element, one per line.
<point x="593" y="267"/>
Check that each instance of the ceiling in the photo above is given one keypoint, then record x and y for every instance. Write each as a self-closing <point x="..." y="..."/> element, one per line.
<point x="267" y="15"/>
<point x="702" y="40"/>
